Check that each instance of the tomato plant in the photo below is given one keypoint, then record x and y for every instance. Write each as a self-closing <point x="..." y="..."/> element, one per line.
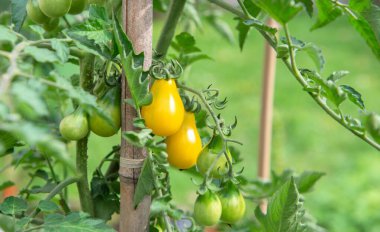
<point x="71" y="71"/>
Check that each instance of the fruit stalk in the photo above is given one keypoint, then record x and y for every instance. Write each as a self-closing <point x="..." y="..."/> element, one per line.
<point x="86" y="82"/>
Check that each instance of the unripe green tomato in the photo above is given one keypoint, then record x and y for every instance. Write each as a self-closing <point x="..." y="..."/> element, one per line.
<point x="207" y="156"/>
<point x="34" y="12"/>
<point x="74" y="126"/>
<point x="207" y="209"/>
<point x="97" y="2"/>
<point x="233" y="204"/>
<point x="77" y="6"/>
<point x="51" y="24"/>
<point x="55" y="8"/>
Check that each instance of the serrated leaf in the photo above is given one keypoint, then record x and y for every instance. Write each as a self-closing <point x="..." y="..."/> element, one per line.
<point x="243" y="30"/>
<point x="7" y="34"/>
<point x="138" y="139"/>
<point x="283" y="209"/>
<point x="74" y="222"/>
<point x="354" y="96"/>
<point x="13" y="205"/>
<point x="268" y="32"/>
<point x="47" y="206"/>
<point x="41" y="55"/>
<point x="61" y="49"/>
<point x="307" y="180"/>
<point x="18" y="9"/>
<point x="145" y="183"/>
<point x="133" y="68"/>
<point x="337" y="75"/>
<point x="315" y="53"/>
<point x="327" y="12"/>
<point x="281" y="10"/>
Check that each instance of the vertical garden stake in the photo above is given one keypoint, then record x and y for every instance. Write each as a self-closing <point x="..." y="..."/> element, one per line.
<point x="266" y="113"/>
<point x="137" y="18"/>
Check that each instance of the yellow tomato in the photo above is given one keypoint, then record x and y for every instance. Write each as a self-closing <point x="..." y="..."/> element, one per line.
<point x="166" y="112"/>
<point x="184" y="146"/>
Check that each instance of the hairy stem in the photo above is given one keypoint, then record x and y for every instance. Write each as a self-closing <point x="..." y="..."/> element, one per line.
<point x="86" y="82"/>
<point x="168" y="31"/>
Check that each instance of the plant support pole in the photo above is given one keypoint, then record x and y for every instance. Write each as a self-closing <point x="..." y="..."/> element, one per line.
<point x="137" y="18"/>
<point x="265" y="138"/>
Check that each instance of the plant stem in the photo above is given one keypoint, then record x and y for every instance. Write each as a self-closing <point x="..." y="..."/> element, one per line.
<point x="168" y="31"/>
<point x="294" y="70"/>
<point x="86" y="82"/>
<point x="245" y="11"/>
<point x="214" y="117"/>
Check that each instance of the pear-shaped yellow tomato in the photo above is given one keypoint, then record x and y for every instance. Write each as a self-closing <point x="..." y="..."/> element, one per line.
<point x="207" y="209"/>
<point x="110" y="105"/>
<point x="55" y="8"/>
<point x="77" y="6"/>
<point x="185" y="145"/>
<point x="74" y="126"/>
<point x="35" y="13"/>
<point x="233" y="204"/>
<point x="207" y="156"/>
<point x="164" y="116"/>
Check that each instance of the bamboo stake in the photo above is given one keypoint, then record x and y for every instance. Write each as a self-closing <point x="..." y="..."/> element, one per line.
<point x="137" y="18"/>
<point x="266" y="114"/>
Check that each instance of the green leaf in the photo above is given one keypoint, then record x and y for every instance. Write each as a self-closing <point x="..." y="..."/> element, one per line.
<point x="283" y="210"/>
<point x="354" y="96"/>
<point x="6" y="184"/>
<point x="359" y="5"/>
<point x="307" y="180"/>
<point x="47" y="206"/>
<point x="315" y="53"/>
<point x="61" y="49"/>
<point x="268" y="32"/>
<point x="327" y="12"/>
<point x="106" y="206"/>
<point x="137" y="80"/>
<point x="39" y="30"/>
<point x="7" y="35"/>
<point x="337" y="75"/>
<point x="74" y="222"/>
<point x="41" y="55"/>
<point x="13" y="206"/>
<point x="145" y="183"/>
<point x="369" y="34"/>
<point x="243" y="30"/>
<point x="252" y="8"/>
<point x="281" y="10"/>
<point x="18" y="10"/>
<point x="308" y="4"/>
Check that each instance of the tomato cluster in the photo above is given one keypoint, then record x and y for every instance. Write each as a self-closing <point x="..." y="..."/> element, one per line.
<point x="48" y="12"/>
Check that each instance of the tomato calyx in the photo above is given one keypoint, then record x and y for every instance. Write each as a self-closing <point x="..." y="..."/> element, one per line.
<point x="161" y="69"/>
<point x="191" y="105"/>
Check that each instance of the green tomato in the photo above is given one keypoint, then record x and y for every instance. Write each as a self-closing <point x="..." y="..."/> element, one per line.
<point x="34" y="12"/>
<point x="55" y="8"/>
<point x="77" y="6"/>
<point x="110" y="106"/>
<point x="51" y="24"/>
<point x="233" y="204"/>
<point x="97" y="2"/>
<point x="207" y="156"/>
<point x="74" y="126"/>
<point x="207" y="209"/>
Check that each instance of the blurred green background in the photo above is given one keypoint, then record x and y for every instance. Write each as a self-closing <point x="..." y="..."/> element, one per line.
<point x="305" y="138"/>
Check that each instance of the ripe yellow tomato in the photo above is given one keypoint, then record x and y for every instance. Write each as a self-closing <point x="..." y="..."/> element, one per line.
<point x="185" y="145"/>
<point x="164" y="116"/>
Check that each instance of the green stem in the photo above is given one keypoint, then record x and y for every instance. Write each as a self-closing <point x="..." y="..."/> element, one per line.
<point x="294" y="70"/>
<point x="245" y="11"/>
<point x="168" y="31"/>
<point x="216" y="121"/>
<point x="86" y="82"/>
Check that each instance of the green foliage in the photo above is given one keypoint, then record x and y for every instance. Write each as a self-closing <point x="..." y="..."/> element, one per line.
<point x="18" y="9"/>
<point x="327" y="12"/>
<point x="13" y="206"/>
<point x="282" y="11"/>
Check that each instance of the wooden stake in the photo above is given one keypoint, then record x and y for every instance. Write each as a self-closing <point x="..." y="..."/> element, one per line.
<point x="266" y="114"/>
<point x="137" y="18"/>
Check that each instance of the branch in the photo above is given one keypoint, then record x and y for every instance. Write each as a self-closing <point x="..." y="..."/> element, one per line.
<point x="168" y="31"/>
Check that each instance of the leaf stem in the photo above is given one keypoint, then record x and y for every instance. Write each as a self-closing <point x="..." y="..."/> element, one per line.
<point x="245" y="11"/>
<point x="216" y="121"/>
<point x="168" y="31"/>
<point x="229" y="8"/>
